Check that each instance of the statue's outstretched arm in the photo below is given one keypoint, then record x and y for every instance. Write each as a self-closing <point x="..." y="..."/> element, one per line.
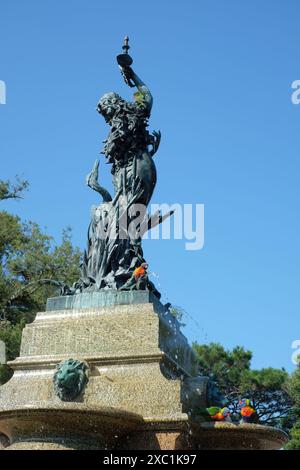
<point x="143" y="89"/>
<point x="130" y="76"/>
<point x="131" y="79"/>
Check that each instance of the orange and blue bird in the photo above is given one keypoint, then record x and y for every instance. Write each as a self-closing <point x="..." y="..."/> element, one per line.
<point x="248" y="413"/>
<point x="140" y="271"/>
<point x="216" y="413"/>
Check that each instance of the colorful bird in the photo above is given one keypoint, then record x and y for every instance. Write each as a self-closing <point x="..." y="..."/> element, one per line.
<point x="216" y="413"/>
<point x="140" y="271"/>
<point x="138" y="279"/>
<point x="248" y="413"/>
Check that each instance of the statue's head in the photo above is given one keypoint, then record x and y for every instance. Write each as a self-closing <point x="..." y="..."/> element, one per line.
<point x="70" y="379"/>
<point x="109" y="104"/>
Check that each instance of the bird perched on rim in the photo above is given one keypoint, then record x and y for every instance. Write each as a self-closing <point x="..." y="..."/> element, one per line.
<point x="215" y="413"/>
<point x="248" y="413"/>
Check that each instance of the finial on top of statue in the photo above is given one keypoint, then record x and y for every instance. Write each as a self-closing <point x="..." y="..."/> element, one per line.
<point x="125" y="61"/>
<point x="126" y="46"/>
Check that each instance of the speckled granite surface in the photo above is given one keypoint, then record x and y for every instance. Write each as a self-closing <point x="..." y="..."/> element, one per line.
<point x="137" y="358"/>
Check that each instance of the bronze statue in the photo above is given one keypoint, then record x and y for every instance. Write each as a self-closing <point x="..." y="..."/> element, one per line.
<point x="115" y="233"/>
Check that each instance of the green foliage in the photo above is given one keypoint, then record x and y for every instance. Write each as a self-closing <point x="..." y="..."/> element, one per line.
<point x="12" y="191"/>
<point x="294" y="389"/>
<point x="27" y="256"/>
<point x="268" y="390"/>
<point x="11" y="335"/>
<point x="294" y="386"/>
<point x="294" y="443"/>
<point x="225" y="367"/>
<point x="265" y="379"/>
<point x="231" y="369"/>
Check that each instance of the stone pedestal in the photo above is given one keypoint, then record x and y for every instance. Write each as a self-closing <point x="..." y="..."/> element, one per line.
<point x="139" y="364"/>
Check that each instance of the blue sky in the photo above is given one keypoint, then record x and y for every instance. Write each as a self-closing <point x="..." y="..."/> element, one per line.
<point x="221" y="74"/>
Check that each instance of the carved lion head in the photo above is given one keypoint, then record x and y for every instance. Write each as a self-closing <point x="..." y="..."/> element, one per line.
<point x="70" y="379"/>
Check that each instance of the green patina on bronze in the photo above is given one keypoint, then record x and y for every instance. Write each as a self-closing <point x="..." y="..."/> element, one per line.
<point x="70" y="379"/>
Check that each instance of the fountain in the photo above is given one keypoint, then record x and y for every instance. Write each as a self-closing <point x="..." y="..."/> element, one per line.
<point x="105" y="366"/>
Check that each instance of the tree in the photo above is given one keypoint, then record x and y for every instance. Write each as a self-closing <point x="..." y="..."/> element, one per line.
<point x="294" y="388"/>
<point x="225" y="367"/>
<point x="268" y="390"/>
<point x="28" y="256"/>
<point x="11" y="335"/>
<point x="294" y="443"/>
<point x="231" y="369"/>
<point x="12" y="191"/>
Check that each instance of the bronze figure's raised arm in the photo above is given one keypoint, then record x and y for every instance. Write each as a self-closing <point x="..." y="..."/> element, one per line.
<point x="143" y="95"/>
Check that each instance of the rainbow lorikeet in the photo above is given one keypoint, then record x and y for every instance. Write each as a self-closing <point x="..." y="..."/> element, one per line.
<point x="248" y="413"/>
<point x="138" y="279"/>
<point x="140" y="271"/>
<point x="215" y="413"/>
